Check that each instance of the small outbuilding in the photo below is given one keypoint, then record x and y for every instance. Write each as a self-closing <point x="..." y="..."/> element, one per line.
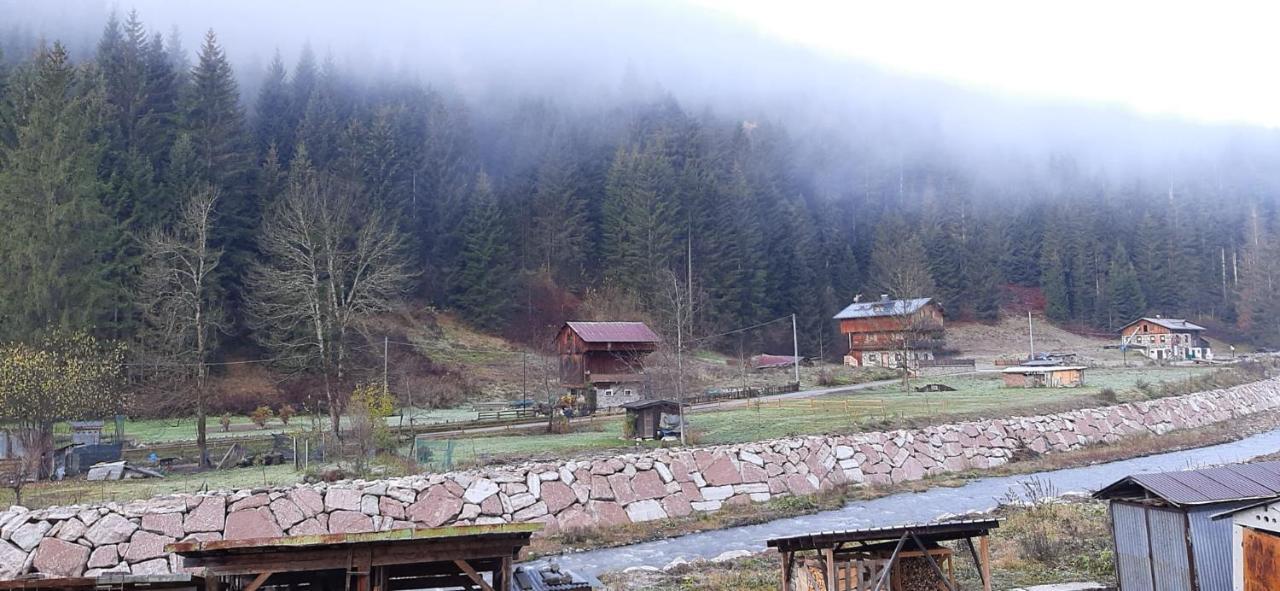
<point x="1030" y="375"/>
<point x="895" y="558"/>
<point x="650" y="419"/>
<point x="1255" y="545"/>
<point x="1164" y="528"/>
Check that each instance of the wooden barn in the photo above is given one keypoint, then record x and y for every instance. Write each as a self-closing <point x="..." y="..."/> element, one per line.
<point x="1166" y="339"/>
<point x="891" y="333"/>
<point x="604" y="361"/>
<point x="1043" y="376"/>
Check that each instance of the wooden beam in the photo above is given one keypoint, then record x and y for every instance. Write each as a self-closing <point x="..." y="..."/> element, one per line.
<point x="257" y="582"/>
<point x="473" y="575"/>
<point x="884" y="576"/>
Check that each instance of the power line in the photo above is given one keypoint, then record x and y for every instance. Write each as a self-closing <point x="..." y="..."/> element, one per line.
<point x="743" y="329"/>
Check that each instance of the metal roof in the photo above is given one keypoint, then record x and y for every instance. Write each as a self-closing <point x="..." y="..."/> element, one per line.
<point x="950" y="530"/>
<point x="1169" y="323"/>
<point x="880" y="308"/>
<point x="1236" y="482"/>
<point x="613" y="332"/>
<point x="1041" y="368"/>
<point x="642" y="404"/>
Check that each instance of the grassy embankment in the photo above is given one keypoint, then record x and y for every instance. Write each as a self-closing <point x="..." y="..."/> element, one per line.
<point x="884" y="406"/>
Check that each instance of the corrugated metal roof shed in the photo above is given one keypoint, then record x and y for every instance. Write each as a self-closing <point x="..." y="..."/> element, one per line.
<point x="881" y="308"/>
<point x="614" y="332"/>
<point x="1237" y="482"/>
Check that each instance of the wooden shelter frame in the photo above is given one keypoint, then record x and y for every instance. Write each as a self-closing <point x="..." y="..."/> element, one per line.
<point x="848" y="556"/>
<point x="395" y="560"/>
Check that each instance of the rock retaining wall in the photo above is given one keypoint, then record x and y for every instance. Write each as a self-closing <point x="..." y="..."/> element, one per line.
<point x="130" y="537"/>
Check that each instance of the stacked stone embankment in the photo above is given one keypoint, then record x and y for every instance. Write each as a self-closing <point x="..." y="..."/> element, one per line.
<point x="598" y="492"/>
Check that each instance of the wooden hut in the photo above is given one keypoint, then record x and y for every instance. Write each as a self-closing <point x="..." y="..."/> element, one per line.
<point x="896" y="558"/>
<point x="1043" y="376"/>
<point x="645" y="417"/>
<point x="603" y="362"/>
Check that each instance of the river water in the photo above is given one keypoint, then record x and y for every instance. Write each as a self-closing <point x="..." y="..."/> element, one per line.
<point x="976" y="495"/>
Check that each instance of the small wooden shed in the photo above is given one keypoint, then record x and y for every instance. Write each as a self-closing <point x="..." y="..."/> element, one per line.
<point x="1043" y="376"/>
<point x="895" y="558"/>
<point x="644" y="417"/>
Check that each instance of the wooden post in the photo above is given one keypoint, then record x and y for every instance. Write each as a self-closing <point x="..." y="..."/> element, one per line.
<point x="984" y="551"/>
<point x="785" y="584"/>
<point x="833" y="584"/>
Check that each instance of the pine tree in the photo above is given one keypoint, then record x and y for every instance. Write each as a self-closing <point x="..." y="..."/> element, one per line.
<point x="481" y="285"/>
<point x="639" y="229"/>
<point x="558" y="220"/>
<point x="215" y="124"/>
<point x="899" y="263"/>
<point x="271" y="113"/>
<point x="1053" y="282"/>
<point x="1125" y="301"/>
<point x="52" y="225"/>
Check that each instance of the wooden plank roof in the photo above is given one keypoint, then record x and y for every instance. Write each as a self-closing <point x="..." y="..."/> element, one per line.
<point x="951" y="530"/>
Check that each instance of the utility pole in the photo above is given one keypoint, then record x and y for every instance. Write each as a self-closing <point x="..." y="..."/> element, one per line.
<point x="795" y="350"/>
<point x="1031" y="335"/>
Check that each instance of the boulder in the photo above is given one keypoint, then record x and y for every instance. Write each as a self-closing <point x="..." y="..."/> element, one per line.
<point x="209" y="515"/>
<point x="648" y="510"/>
<point x="342" y="499"/>
<point x="349" y="522"/>
<point x="111" y="529"/>
<point x="435" y="507"/>
<point x="145" y="545"/>
<point x="169" y="524"/>
<point x="60" y="558"/>
<point x="251" y="523"/>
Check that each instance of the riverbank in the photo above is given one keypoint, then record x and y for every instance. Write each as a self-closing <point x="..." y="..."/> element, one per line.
<point x="784" y="507"/>
<point x="1046" y="540"/>
<point x="977" y="495"/>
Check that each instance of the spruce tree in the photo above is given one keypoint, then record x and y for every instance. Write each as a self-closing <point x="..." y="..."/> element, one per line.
<point x="1053" y="282"/>
<point x="271" y="112"/>
<point x="1125" y="301"/>
<point x="481" y="284"/>
<point x="53" y="227"/>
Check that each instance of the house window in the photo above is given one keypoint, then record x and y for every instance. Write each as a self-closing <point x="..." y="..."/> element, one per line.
<point x="608" y="393"/>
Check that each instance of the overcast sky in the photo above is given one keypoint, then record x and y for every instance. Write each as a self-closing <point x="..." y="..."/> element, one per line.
<point x="1212" y="61"/>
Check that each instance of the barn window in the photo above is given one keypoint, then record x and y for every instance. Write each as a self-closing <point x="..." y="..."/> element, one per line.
<point x="627" y="392"/>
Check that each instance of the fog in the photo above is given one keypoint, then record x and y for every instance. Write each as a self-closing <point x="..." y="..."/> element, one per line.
<point x="584" y="55"/>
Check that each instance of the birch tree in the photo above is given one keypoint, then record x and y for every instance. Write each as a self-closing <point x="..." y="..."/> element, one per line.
<point x="330" y="261"/>
<point x="180" y="301"/>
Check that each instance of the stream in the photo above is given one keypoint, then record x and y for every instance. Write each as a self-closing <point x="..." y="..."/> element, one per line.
<point x="977" y="495"/>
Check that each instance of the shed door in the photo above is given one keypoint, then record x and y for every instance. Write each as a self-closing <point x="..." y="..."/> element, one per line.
<point x="1133" y="557"/>
<point x="1169" y="552"/>
<point x="1261" y="560"/>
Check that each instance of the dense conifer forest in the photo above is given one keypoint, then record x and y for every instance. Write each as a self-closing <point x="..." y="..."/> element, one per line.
<point x="123" y="164"/>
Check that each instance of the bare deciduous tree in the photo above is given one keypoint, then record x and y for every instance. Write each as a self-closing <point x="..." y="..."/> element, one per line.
<point x="331" y="260"/>
<point x="180" y="301"/>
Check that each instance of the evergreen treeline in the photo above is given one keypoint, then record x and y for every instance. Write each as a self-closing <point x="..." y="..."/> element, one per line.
<point x="499" y="200"/>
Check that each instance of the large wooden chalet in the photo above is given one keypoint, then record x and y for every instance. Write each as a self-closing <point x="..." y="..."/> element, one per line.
<point x="891" y="333"/>
<point x="604" y="361"/>
<point x="1166" y="339"/>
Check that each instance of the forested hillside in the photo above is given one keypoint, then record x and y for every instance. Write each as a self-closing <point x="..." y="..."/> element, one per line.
<point x="146" y="196"/>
